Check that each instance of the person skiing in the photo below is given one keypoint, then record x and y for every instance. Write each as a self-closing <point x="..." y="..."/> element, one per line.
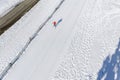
<point x="55" y="23"/>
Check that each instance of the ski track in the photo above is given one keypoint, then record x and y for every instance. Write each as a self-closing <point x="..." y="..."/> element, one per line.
<point x="76" y="49"/>
<point x="46" y="51"/>
<point x="14" y="39"/>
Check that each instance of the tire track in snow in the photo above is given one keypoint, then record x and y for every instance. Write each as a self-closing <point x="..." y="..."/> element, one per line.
<point x="5" y="71"/>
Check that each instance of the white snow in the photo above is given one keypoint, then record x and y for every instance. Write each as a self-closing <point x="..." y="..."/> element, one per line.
<point x="75" y="50"/>
<point x="8" y="5"/>
<point x="14" y="39"/>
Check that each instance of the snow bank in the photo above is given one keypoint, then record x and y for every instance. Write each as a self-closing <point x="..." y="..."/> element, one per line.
<point x="7" y="5"/>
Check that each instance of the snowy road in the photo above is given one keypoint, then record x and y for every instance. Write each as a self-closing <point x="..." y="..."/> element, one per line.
<point x="76" y="48"/>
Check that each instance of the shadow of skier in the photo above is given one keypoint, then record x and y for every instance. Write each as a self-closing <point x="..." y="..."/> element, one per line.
<point x="111" y="67"/>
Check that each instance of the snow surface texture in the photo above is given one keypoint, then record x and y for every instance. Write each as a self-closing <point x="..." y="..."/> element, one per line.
<point x="7" y="5"/>
<point x="96" y="36"/>
<point x="79" y="48"/>
<point x="13" y="40"/>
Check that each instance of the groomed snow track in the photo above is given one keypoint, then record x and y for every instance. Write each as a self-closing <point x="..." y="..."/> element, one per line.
<point x="82" y="47"/>
<point x="5" y="71"/>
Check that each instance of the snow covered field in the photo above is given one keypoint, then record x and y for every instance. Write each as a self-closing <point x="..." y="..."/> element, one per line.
<point x="84" y="46"/>
<point x="7" y="5"/>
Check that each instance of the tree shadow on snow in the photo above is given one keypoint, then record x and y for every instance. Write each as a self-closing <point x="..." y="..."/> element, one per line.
<point x="111" y="67"/>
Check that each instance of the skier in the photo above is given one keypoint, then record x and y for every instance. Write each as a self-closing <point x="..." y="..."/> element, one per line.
<point x="55" y="23"/>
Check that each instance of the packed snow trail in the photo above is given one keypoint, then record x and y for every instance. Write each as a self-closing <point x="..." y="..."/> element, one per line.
<point x="77" y="48"/>
<point x="14" y="40"/>
<point x="5" y="71"/>
<point x="40" y="56"/>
